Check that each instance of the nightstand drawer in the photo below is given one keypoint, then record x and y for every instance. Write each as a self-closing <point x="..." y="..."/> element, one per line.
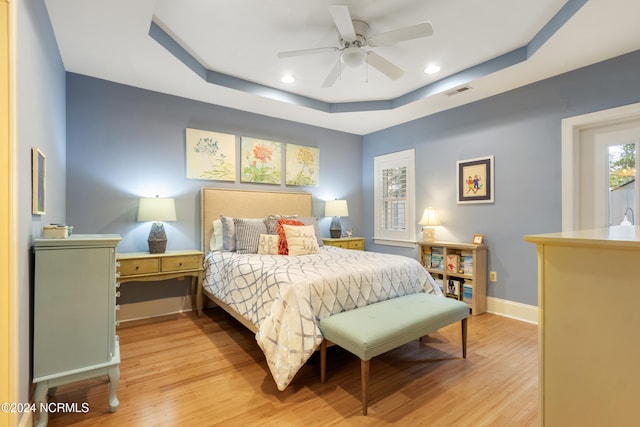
<point x="130" y="267"/>
<point x="353" y="243"/>
<point x="343" y="245"/>
<point x="184" y="262"/>
<point x="356" y="244"/>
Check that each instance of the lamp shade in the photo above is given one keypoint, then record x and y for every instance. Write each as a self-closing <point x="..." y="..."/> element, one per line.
<point x="353" y="56"/>
<point x="156" y="209"/>
<point x="336" y="208"/>
<point x="429" y="217"/>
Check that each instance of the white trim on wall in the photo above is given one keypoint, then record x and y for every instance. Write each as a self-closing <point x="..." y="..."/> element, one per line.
<point x="154" y="308"/>
<point x="515" y="310"/>
<point x="571" y="130"/>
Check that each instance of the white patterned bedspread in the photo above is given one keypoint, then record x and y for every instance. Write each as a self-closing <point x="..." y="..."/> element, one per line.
<point x="286" y="296"/>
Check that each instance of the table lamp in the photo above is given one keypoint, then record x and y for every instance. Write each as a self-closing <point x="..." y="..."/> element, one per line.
<point x="428" y="221"/>
<point x="336" y="209"/>
<point x="157" y="209"/>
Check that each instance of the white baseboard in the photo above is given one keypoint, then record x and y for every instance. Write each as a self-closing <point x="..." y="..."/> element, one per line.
<point x="153" y="308"/>
<point x="515" y="310"/>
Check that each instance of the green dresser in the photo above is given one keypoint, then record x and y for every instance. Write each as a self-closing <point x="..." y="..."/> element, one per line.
<point x="74" y="319"/>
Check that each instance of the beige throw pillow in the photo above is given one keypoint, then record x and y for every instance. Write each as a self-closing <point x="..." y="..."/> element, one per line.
<point x="268" y="244"/>
<point x="301" y="239"/>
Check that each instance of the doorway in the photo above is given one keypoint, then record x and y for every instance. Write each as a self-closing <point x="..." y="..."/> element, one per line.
<point x="586" y="201"/>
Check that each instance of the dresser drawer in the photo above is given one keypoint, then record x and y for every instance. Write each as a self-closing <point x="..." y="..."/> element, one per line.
<point x="184" y="262"/>
<point x="130" y="267"/>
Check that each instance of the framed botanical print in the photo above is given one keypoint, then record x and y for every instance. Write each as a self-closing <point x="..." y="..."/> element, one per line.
<point x="475" y="180"/>
<point x="210" y="155"/>
<point x="302" y="165"/>
<point x="260" y="161"/>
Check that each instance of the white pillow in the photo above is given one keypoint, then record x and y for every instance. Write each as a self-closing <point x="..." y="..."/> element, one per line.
<point x="301" y="239"/>
<point x="215" y="244"/>
<point x="268" y="244"/>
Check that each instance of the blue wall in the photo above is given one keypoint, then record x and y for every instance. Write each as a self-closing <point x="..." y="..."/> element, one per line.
<point x="522" y="129"/>
<point x="124" y="142"/>
<point x="40" y="123"/>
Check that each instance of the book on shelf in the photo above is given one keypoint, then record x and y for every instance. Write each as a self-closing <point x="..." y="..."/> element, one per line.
<point x="437" y="262"/>
<point x="453" y="288"/>
<point x="453" y="263"/>
<point x="467" y="292"/>
<point x="466" y="263"/>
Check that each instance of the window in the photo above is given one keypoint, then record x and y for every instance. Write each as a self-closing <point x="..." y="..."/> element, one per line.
<point x="622" y="183"/>
<point x="394" y="185"/>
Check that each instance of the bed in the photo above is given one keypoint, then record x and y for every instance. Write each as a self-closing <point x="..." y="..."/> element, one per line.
<point x="282" y="298"/>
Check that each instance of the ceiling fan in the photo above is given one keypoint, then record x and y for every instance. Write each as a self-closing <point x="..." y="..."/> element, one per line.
<point x="354" y="38"/>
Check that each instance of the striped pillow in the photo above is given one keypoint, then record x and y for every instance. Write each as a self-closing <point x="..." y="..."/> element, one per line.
<point x="248" y="231"/>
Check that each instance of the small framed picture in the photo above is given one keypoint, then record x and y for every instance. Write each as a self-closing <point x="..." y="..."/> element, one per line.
<point x="478" y="239"/>
<point x="474" y="178"/>
<point x="38" y="181"/>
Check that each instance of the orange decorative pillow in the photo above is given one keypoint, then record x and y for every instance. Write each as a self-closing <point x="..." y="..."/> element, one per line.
<point x="283" y="249"/>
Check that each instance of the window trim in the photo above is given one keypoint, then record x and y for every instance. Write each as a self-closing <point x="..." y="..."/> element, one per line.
<point x="403" y="238"/>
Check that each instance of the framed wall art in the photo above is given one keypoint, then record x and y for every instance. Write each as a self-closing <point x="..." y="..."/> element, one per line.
<point x="38" y="181"/>
<point x="210" y="155"/>
<point x="260" y="161"/>
<point x="475" y="180"/>
<point x="302" y="165"/>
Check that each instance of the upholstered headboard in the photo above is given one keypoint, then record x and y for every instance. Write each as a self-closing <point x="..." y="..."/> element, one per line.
<point x="247" y="204"/>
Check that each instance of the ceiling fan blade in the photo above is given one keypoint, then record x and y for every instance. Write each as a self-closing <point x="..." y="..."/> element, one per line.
<point x="342" y="19"/>
<point x="332" y="76"/>
<point x="417" y="31"/>
<point x="384" y="66"/>
<point x="301" y="52"/>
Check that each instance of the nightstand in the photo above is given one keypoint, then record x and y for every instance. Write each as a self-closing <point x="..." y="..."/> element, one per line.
<point x="145" y="267"/>
<point x="356" y="243"/>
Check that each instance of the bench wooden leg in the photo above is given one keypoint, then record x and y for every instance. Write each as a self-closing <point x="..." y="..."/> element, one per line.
<point x="364" y="379"/>
<point x="323" y="361"/>
<point x="464" y="338"/>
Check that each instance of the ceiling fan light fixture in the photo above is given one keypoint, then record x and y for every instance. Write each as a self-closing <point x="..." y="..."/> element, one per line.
<point x="353" y="56"/>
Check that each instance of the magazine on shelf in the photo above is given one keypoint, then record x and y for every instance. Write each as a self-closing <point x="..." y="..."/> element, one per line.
<point x="466" y="263"/>
<point x="453" y="288"/>
<point x="453" y="263"/>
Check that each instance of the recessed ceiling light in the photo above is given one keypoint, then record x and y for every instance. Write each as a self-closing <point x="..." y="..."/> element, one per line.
<point x="288" y="78"/>
<point x="432" y="69"/>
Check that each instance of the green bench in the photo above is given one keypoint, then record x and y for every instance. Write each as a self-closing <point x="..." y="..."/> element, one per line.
<point x="377" y="328"/>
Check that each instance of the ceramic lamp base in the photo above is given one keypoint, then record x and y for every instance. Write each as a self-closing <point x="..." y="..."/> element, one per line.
<point x="157" y="239"/>
<point x="335" y="229"/>
<point x="428" y="234"/>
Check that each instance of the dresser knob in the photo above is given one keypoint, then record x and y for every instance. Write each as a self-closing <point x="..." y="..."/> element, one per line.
<point x="180" y="264"/>
<point x="137" y="267"/>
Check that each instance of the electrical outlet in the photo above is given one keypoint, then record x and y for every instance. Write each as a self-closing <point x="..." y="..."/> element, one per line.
<point x="493" y="276"/>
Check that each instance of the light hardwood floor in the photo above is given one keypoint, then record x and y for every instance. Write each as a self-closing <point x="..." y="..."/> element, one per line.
<point x="209" y="371"/>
